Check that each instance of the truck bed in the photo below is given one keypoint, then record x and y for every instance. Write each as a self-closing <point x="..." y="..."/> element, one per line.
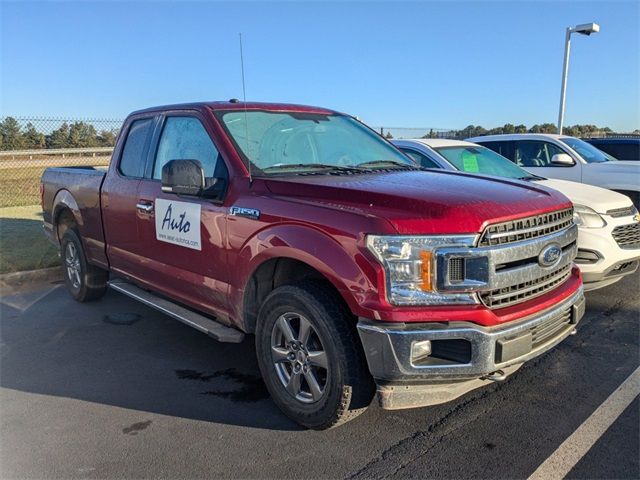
<point x="76" y="189"/>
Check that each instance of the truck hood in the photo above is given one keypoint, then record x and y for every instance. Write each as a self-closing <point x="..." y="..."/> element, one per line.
<point x="597" y="198"/>
<point x="420" y="202"/>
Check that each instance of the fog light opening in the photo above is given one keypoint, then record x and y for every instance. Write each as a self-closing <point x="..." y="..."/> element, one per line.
<point x="420" y="350"/>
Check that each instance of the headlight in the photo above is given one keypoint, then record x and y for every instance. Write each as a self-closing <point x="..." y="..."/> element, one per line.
<point x="586" y="217"/>
<point x="409" y="265"/>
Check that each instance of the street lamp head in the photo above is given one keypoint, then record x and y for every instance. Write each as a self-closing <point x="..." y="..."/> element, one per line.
<point x="587" y="28"/>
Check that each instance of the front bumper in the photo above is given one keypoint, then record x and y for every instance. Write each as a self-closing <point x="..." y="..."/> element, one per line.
<point x="600" y="259"/>
<point x="464" y="354"/>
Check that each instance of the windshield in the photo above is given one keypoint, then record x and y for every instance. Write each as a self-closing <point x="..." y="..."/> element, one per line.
<point x="292" y="142"/>
<point x="587" y="151"/>
<point x="477" y="159"/>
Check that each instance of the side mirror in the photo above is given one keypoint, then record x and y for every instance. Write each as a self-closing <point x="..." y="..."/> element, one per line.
<point x="183" y="177"/>
<point x="562" y="159"/>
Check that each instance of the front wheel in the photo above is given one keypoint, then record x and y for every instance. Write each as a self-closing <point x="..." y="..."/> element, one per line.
<point x="84" y="281"/>
<point x="311" y="358"/>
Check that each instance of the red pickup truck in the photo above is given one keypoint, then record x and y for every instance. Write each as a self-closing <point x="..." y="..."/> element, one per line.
<point x="356" y="270"/>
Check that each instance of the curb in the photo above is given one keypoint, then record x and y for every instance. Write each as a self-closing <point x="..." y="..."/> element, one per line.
<point x="18" y="279"/>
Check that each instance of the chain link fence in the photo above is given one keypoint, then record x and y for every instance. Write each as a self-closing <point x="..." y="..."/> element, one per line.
<point x="29" y="145"/>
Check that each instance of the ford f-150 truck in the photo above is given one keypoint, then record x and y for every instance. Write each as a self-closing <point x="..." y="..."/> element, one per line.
<point x="355" y="269"/>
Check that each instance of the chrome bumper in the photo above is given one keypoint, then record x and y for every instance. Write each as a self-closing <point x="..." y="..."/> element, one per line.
<point x="388" y="347"/>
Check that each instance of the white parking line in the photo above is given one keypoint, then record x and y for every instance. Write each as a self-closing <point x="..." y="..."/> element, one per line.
<point x="569" y="453"/>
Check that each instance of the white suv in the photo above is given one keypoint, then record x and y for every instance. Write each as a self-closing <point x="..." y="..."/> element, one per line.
<point x="566" y="158"/>
<point x="608" y="226"/>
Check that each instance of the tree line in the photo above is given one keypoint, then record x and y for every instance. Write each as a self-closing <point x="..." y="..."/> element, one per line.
<point x="507" y="128"/>
<point x="79" y="134"/>
<point x="477" y="131"/>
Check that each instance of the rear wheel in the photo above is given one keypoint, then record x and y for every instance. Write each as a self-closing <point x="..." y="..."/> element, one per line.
<point x="84" y="281"/>
<point x="311" y="357"/>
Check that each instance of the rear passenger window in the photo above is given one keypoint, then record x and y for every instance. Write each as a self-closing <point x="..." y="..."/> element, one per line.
<point x="533" y="153"/>
<point x="184" y="138"/>
<point x="133" y="155"/>
<point x="503" y="148"/>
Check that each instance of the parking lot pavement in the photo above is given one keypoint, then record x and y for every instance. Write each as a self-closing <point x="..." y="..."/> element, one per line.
<point x="87" y="392"/>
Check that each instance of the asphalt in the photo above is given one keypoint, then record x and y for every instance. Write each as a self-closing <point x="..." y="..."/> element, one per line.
<point x="113" y="389"/>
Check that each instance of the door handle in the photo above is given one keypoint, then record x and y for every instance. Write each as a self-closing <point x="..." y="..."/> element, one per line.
<point x="145" y="207"/>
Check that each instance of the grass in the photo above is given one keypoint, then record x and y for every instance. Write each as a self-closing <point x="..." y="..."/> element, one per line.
<point x="20" y="186"/>
<point x="23" y="245"/>
<point x="20" y="179"/>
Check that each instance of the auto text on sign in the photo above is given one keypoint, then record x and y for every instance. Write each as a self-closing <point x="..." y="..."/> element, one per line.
<point x="178" y="223"/>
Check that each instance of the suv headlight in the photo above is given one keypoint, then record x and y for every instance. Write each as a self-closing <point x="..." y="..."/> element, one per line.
<point x="586" y="217"/>
<point x="410" y="268"/>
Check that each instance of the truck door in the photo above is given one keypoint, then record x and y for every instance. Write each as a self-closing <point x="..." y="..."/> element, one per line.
<point x="184" y="237"/>
<point x="119" y="197"/>
<point x="535" y="156"/>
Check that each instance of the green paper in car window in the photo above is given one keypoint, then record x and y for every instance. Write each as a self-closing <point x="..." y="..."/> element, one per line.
<point x="469" y="162"/>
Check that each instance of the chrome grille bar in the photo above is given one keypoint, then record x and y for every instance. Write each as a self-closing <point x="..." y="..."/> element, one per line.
<point x="526" y="228"/>
<point x="507" y="296"/>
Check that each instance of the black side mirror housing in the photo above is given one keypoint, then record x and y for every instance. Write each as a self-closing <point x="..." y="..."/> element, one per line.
<point x="183" y="177"/>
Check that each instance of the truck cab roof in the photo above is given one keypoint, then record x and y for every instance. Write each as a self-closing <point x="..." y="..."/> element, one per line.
<point x="234" y="104"/>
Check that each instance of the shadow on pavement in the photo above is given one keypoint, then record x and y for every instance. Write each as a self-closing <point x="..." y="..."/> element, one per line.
<point x="54" y="346"/>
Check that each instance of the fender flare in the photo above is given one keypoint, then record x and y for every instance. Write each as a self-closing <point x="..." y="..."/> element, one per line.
<point x="342" y="263"/>
<point x="64" y="201"/>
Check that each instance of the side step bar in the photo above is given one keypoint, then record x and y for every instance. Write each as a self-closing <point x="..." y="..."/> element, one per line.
<point x="212" y="328"/>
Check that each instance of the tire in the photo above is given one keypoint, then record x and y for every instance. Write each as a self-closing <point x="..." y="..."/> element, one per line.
<point x="291" y="363"/>
<point x="84" y="281"/>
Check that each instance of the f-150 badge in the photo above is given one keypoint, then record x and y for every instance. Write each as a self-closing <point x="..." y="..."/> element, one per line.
<point x="251" y="213"/>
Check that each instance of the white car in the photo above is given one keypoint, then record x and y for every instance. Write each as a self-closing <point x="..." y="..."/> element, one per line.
<point x="567" y="158"/>
<point x="609" y="227"/>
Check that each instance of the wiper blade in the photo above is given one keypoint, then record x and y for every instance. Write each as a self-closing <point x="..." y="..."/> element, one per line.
<point x="394" y="163"/>
<point x="311" y="166"/>
<point x="531" y="177"/>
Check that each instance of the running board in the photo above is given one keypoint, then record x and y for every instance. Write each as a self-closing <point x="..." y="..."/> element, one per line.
<point x="212" y="328"/>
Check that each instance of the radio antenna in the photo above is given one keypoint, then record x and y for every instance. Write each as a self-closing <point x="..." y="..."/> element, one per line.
<point x="244" y="100"/>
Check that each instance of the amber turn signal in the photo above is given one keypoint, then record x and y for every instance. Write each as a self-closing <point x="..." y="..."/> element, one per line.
<point x="425" y="270"/>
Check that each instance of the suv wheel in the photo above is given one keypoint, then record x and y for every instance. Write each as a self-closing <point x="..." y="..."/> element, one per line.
<point x="84" y="281"/>
<point x="310" y="356"/>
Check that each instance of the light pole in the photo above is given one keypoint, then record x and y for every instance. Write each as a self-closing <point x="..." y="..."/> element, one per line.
<point x="584" y="29"/>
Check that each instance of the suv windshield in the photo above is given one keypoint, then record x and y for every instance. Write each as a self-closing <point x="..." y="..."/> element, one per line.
<point x="476" y="159"/>
<point x="294" y="142"/>
<point x="587" y="151"/>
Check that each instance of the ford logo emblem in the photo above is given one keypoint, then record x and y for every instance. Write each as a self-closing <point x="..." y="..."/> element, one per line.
<point x="550" y="255"/>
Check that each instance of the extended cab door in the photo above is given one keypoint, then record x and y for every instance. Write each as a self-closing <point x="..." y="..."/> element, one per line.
<point x="119" y="197"/>
<point x="184" y="237"/>
<point x="535" y="156"/>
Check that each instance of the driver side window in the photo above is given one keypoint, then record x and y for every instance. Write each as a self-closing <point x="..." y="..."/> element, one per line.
<point x="184" y="138"/>
<point x="533" y="153"/>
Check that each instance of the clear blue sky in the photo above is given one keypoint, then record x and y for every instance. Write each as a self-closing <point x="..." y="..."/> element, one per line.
<point x="431" y="64"/>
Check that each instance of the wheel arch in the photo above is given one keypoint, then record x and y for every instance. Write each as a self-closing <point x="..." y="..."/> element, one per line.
<point x="293" y="252"/>
<point x="66" y="214"/>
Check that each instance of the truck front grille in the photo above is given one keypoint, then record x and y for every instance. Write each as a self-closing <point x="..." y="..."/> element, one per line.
<point x="627" y="236"/>
<point x="542" y="332"/>
<point x="526" y="228"/>
<point x="513" y="294"/>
